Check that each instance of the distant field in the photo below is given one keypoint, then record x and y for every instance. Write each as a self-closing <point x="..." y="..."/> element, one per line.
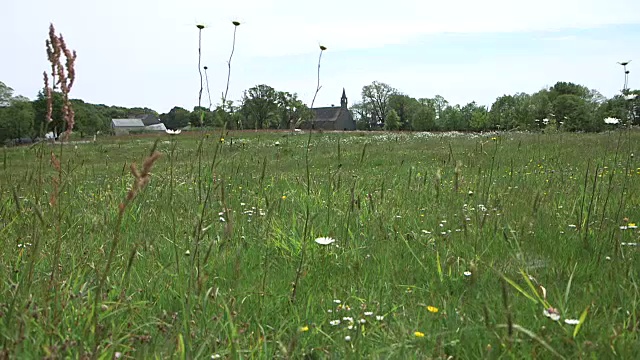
<point x="446" y="245"/>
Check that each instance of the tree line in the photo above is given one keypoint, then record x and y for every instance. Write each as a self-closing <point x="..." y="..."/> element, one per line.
<point x="565" y="105"/>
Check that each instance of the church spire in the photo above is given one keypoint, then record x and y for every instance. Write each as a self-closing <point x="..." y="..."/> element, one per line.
<point x="343" y="99"/>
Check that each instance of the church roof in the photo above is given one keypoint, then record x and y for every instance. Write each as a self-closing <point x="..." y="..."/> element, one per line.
<point x="329" y="113"/>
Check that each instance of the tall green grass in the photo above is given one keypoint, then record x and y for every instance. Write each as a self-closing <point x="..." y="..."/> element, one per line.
<point x="445" y="246"/>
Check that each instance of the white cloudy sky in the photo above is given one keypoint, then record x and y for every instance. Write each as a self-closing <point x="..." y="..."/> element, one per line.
<point x="144" y="52"/>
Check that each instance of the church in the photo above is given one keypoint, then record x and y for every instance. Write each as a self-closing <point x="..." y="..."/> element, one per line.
<point x="332" y="117"/>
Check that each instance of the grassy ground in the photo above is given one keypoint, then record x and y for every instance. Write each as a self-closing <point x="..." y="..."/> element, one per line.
<point x="444" y="246"/>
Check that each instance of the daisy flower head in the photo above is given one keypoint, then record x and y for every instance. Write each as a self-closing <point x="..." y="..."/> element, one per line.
<point x="325" y="241"/>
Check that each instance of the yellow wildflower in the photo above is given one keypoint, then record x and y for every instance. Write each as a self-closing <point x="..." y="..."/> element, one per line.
<point x="432" y="309"/>
<point x="418" y="334"/>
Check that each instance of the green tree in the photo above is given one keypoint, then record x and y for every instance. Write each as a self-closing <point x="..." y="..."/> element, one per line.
<point x="88" y="118"/>
<point x="572" y="112"/>
<point x="479" y="119"/>
<point x="376" y="96"/>
<point x="260" y="107"/>
<point x="201" y="116"/>
<point x="293" y="111"/>
<point x="569" y="88"/>
<point x="6" y="94"/>
<point x="540" y="107"/>
<point x="405" y="106"/>
<point x="176" y="118"/>
<point x="41" y="125"/>
<point x="392" y="122"/>
<point x="362" y="115"/>
<point x="503" y="112"/>
<point x="16" y="120"/>
<point x="439" y="104"/>
<point x="424" y="119"/>
<point x="451" y="118"/>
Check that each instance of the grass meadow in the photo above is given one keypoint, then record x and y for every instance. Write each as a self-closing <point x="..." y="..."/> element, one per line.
<point x="447" y="246"/>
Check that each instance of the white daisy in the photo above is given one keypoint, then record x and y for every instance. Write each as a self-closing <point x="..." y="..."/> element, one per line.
<point x="325" y="240"/>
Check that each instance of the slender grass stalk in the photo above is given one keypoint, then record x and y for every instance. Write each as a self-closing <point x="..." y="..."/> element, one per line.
<point x="318" y="86"/>
<point x="206" y="77"/>
<point x="233" y="48"/>
<point x="200" y="27"/>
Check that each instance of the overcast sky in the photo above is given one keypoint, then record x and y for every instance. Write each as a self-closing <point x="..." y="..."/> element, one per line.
<point x="144" y="52"/>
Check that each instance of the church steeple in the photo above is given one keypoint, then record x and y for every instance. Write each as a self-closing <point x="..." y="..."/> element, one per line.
<point x="343" y="99"/>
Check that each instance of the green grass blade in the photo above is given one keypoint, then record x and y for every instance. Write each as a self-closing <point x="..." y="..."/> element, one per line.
<point x="583" y="317"/>
<point x="520" y="289"/>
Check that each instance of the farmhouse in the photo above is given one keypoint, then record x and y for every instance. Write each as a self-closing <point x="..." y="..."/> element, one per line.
<point x="149" y="119"/>
<point x="332" y="117"/>
<point x="139" y="124"/>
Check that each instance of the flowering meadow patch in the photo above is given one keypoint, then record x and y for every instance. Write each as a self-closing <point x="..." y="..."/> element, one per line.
<point x="378" y="245"/>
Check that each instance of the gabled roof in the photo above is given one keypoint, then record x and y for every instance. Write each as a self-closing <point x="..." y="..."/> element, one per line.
<point x="148" y="119"/>
<point x="329" y="113"/>
<point x="156" y="127"/>
<point x="127" y="122"/>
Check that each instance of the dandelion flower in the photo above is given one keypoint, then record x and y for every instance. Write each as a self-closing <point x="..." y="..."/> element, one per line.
<point x="323" y="48"/>
<point x="418" y="334"/>
<point x="325" y="240"/>
<point x="571" y="321"/>
<point x="304" y="328"/>
<point x="284" y="197"/>
<point x="432" y="309"/>
<point x="236" y="23"/>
